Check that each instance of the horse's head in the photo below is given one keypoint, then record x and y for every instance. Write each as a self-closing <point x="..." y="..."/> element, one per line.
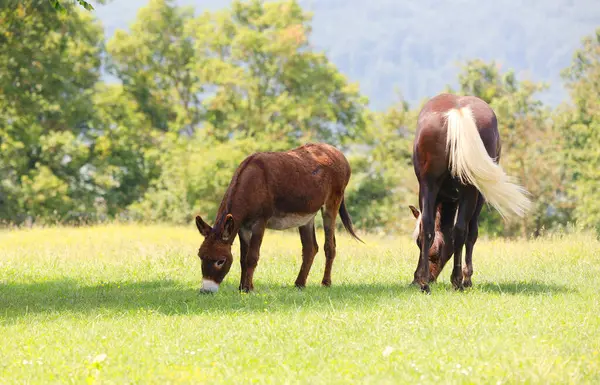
<point x="215" y="253"/>
<point x="438" y="240"/>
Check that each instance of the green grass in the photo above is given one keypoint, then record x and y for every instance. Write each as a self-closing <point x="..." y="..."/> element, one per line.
<point x="120" y="304"/>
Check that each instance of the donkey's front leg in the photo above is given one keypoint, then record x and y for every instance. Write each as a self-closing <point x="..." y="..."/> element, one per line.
<point x="244" y="236"/>
<point x="258" y="231"/>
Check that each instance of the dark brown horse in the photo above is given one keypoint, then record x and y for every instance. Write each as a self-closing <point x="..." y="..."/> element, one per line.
<point x="455" y="156"/>
<point x="276" y="190"/>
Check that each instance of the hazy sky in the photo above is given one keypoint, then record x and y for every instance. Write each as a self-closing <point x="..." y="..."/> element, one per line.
<point x="415" y="46"/>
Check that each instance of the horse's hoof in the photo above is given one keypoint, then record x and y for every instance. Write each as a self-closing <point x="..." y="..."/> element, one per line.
<point x="458" y="286"/>
<point x="425" y="289"/>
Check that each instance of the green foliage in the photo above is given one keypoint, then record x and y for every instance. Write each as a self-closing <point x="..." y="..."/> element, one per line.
<point x="48" y="67"/>
<point x="195" y="175"/>
<point x="59" y="7"/>
<point x="155" y="60"/>
<point x="199" y="93"/>
<point x="383" y="183"/>
<point x="125" y="153"/>
<point x="580" y="124"/>
<point x="267" y="82"/>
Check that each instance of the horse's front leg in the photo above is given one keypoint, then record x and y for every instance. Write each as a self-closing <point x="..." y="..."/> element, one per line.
<point x="427" y="195"/>
<point x="447" y="216"/>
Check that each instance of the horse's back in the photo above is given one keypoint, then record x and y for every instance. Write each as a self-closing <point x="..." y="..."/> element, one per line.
<point x="432" y="113"/>
<point x="430" y="137"/>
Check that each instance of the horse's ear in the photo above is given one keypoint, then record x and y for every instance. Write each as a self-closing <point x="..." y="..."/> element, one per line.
<point x="202" y="226"/>
<point x="415" y="211"/>
<point x="228" y="228"/>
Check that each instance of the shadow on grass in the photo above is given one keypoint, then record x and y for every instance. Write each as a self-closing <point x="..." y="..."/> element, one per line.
<point x="177" y="297"/>
<point x="522" y="288"/>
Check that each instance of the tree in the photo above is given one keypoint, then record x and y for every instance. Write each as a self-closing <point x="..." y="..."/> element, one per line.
<point x="125" y="150"/>
<point x="59" y="7"/>
<point x="580" y="125"/>
<point x="155" y="61"/>
<point x="267" y="82"/>
<point x="49" y="64"/>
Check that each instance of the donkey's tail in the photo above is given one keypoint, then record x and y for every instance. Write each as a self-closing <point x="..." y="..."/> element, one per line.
<point x="347" y="221"/>
<point x="470" y="162"/>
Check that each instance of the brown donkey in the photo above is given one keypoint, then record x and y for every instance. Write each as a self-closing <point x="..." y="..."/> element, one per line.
<point x="276" y="190"/>
<point x="455" y="157"/>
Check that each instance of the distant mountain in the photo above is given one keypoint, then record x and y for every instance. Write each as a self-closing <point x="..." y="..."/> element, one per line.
<point x="415" y="46"/>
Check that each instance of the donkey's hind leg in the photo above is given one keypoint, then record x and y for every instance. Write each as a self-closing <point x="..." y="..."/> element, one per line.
<point x="329" y="216"/>
<point x="309" y="250"/>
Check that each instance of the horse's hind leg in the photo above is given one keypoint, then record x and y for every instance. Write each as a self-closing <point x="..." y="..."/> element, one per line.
<point x="466" y="208"/>
<point x="309" y="250"/>
<point x="329" y="217"/>
<point x="427" y="194"/>
<point x="472" y="234"/>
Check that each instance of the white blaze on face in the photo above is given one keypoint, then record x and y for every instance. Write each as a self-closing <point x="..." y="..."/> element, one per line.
<point x="417" y="229"/>
<point x="210" y="285"/>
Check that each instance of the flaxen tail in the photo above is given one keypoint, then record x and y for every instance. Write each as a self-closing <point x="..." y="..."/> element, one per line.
<point x="345" y="216"/>
<point x="470" y="162"/>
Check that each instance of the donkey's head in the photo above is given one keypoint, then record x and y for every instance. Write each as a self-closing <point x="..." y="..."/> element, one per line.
<point x="215" y="252"/>
<point x="438" y="239"/>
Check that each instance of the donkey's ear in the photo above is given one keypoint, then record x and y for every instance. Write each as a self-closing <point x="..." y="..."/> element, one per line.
<point x="202" y="226"/>
<point x="415" y="211"/>
<point x="228" y="228"/>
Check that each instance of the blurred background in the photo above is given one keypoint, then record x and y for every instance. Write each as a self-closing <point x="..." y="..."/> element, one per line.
<point x="141" y="110"/>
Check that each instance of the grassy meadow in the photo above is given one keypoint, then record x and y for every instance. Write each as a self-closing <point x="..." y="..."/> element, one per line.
<point x="120" y="304"/>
